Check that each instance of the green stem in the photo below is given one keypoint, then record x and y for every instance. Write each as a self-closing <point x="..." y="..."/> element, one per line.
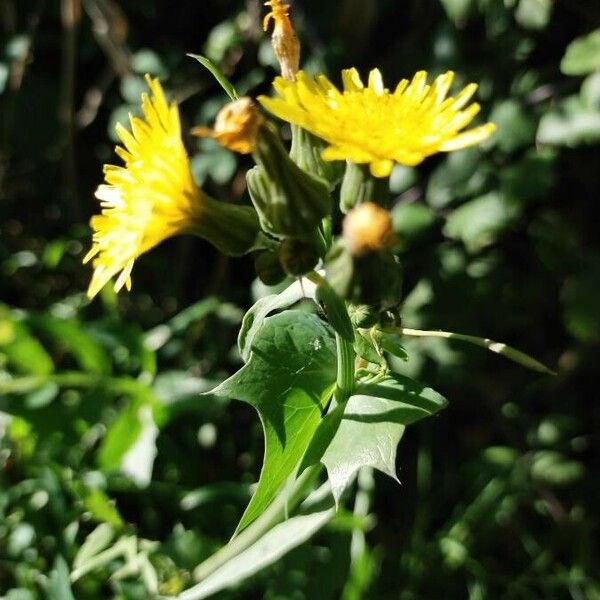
<point x="345" y="370"/>
<point x="497" y="347"/>
<point x="359" y="186"/>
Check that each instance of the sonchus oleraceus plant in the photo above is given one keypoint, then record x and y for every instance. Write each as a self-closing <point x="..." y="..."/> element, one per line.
<point x="331" y="406"/>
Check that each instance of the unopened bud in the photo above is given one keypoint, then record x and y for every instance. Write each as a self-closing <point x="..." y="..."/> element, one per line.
<point x="297" y="256"/>
<point x="285" y="41"/>
<point x="236" y="126"/>
<point x="368" y="228"/>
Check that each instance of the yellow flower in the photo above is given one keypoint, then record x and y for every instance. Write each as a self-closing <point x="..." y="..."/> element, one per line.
<point x="373" y="125"/>
<point x="153" y="196"/>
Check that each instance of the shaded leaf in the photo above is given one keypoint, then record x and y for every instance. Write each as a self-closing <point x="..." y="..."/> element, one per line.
<point x="373" y="424"/>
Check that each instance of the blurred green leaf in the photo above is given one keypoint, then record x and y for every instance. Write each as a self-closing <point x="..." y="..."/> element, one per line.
<point x="102" y="508"/>
<point x="572" y="123"/>
<point x="70" y="335"/>
<point x="583" y="55"/>
<point x="515" y="126"/>
<point x="97" y="541"/>
<point x="58" y="586"/>
<point x="534" y="14"/>
<point x="458" y="10"/>
<point x="460" y="175"/>
<point x="412" y="221"/>
<point x="555" y="469"/>
<point x="23" y="351"/>
<point x="478" y="222"/>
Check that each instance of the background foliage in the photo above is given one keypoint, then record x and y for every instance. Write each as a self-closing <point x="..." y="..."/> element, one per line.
<point x="499" y="496"/>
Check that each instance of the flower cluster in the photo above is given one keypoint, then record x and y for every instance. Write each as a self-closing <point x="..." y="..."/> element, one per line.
<point x="153" y="195"/>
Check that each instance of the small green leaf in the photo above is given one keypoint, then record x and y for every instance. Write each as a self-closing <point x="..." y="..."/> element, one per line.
<point x="255" y="317"/>
<point x="373" y="424"/>
<point x="96" y="542"/>
<point x="583" y="55"/>
<point x="101" y="508"/>
<point x="366" y="350"/>
<point x="295" y="353"/>
<point x="58" y="586"/>
<point x="216" y="73"/>
<point x="392" y="343"/>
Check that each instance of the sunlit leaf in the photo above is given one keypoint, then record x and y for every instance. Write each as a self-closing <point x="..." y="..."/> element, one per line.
<point x="295" y="353"/>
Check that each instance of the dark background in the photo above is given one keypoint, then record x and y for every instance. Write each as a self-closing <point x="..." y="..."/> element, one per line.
<point x="499" y="495"/>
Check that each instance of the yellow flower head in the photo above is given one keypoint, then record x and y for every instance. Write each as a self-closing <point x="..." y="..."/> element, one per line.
<point x="236" y="126"/>
<point x="373" y="125"/>
<point x="149" y="199"/>
<point x="285" y="41"/>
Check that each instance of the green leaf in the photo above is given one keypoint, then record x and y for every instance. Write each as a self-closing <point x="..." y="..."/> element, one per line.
<point x="130" y="442"/>
<point x="96" y="542"/>
<point x="479" y="221"/>
<point x="295" y="353"/>
<point x="58" y="586"/>
<point x="365" y="348"/>
<point x="458" y="10"/>
<point x="412" y="221"/>
<point x="267" y="550"/>
<point x="372" y="426"/>
<point x="216" y="73"/>
<point x="572" y="123"/>
<point x="101" y="508"/>
<point x="583" y="55"/>
<point x="23" y="351"/>
<point x="534" y="14"/>
<point x="255" y="317"/>
<point x="515" y="126"/>
<point x="70" y="335"/>
<point x="460" y="175"/>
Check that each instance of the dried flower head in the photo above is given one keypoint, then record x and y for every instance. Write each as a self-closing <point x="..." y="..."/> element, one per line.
<point x="236" y="126"/>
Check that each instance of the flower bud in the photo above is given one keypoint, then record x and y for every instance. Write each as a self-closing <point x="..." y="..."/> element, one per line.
<point x="289" y="201"/>
<point x="268" y="268"/>
<point x="368" y="228"/>
<point x="236" y="127"/>
<point x="297" y="256"/>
